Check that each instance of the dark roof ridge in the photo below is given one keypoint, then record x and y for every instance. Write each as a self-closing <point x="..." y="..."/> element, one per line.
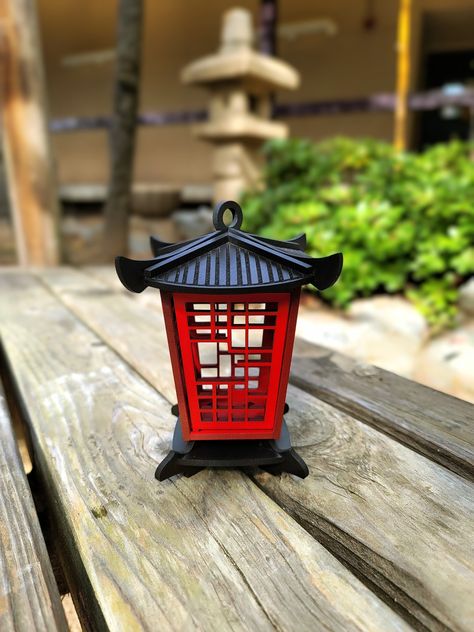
<point x="159" y="247"/>
<point x="299" y="268"/>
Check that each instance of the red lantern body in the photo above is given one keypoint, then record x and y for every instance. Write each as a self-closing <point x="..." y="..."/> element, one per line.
<point x="230" y="302"/>
<point x="231" y="356"/>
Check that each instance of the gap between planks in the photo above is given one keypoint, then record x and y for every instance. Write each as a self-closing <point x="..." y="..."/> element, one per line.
<point x="375" y="503"/>
<point x="218" y="554"/>
<point x="23" y="441"/>
<point x="29" y="597"/>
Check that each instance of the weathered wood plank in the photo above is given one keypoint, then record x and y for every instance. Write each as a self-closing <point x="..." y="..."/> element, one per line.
<point x="29" y="597"/>
<point x="402" y="521"/>
<point x="435" y="424"/>
<point x="212" y="552"/>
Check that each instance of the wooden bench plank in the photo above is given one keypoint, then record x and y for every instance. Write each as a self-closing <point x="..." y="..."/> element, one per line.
<point x="437" y="425"/>
<point x="29" y="597"/>
<point x="399" y="519"/>
<point x="212" y="552"/>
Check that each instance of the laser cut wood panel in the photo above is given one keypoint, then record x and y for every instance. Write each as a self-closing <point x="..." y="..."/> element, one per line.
<point x="232" y="350"/>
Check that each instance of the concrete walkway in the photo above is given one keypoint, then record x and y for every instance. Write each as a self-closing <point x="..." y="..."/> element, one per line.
<point x="389" y="332"/>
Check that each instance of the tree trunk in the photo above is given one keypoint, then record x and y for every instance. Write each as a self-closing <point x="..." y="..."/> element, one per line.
<point x="268" y="27"/>
<point x="27" y="152"/>
<point x="268" y="36"/>
<point x="123" y="132"/>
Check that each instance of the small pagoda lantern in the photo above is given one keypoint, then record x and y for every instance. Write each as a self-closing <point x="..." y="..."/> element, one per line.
<point x="230" y="302"/>
<point x="241" y="82"/>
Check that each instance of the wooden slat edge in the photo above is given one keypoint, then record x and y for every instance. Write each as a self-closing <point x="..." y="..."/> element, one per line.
<point x="212" y="552"/>
<point x="437" y="425"/>
<point x="359" y="477"/>
<point x="29" y="597"/>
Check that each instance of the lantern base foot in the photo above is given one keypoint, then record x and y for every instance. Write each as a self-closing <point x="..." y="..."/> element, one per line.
<point x="273" y="456"/>
<point x="173" y="464"/>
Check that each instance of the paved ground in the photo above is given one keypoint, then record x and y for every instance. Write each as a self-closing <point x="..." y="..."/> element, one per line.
<point x="390" y="333"/>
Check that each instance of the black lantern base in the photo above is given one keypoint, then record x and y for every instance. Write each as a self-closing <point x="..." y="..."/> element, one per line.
<point x="190" y="457"/>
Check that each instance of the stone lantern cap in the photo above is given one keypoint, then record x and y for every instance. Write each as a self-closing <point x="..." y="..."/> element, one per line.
<point x="236" y="61"/>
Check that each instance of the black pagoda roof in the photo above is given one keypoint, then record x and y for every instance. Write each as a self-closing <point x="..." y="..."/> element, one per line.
<point x="229" y="260"/>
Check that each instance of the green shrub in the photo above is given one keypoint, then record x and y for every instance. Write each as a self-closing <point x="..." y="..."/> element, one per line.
<point x="404" y="221"/>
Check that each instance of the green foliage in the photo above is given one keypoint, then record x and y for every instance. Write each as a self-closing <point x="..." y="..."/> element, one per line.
<point x="404" y="221"/>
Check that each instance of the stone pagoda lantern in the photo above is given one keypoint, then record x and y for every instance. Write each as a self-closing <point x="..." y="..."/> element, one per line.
<point x="240" y="81"/>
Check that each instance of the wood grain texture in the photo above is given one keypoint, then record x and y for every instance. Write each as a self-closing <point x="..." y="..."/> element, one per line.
<point x="400" y="520"/>
<point x="437" y="425"/>
<point x="212" y="552"/>
<point x="25" y="138"/>
<point x="29" y="598"/>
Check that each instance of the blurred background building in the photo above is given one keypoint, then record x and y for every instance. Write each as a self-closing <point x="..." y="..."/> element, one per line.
<point x="344" y="51"/>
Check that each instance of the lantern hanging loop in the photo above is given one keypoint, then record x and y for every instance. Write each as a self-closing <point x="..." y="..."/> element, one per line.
<point x="218" y="215"/>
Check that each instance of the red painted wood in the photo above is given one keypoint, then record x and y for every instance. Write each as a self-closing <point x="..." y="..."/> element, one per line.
<point x="286" y="362"/>
<point x="232" y="361"/>
<point x="175" y="355"/>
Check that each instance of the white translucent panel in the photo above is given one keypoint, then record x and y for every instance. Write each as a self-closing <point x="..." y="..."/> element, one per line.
<point x="255" y="356"/>
<point x="223" y="387"/>
<point x="207" y="352"/>
<point x="256" y="320"/>
<point x="222" y="307"/>
<point x="239" y="358"/>
<point x="207" y="387"/>
<point x="255" y="337"/>
<point x="203" y="319"/>
<point x="203" y="332"/>
<point x="253" y="384"/>
<point x="239" y="306"/>
<point x="223" y="346"/>
<point x="239" y="320"/>
<point x="222" y="319"/>
<point x="208" y="372"/>
<point x="225" y="365"/>
<point x="257" y="305"/>
<point x="253" y="371"/>
<point x="222" y="332"/>
<point x="238" y="337"/>
<point x="201" y="306"/>
<point x="239" y="371"/>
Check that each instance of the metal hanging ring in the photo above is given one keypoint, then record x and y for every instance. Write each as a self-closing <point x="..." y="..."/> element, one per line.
<point x="218" y="215"/>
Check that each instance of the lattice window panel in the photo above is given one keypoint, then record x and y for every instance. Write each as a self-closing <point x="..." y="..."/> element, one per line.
<point x="232" y="352"/>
